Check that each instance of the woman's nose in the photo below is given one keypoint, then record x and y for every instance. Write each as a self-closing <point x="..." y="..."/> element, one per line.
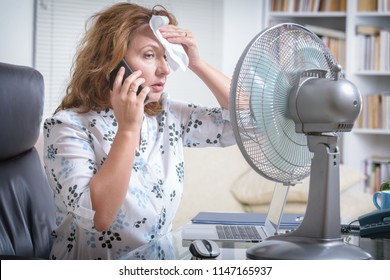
<point x="163" y="67"/>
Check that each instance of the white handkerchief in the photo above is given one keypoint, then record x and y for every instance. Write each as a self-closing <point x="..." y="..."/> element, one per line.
<point x="176" y="56"/>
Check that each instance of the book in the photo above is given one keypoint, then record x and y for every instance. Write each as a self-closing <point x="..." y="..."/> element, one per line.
<point x="333" y="39"/>
<point x="377" y="171"/>
<point x="308" y="6"/>
<point x="367" y="29"/>
<point x="374" y="48"/>
<point x="229" y="218"/>
<point x="367" y="5"/>
<point x="375" y="111"/>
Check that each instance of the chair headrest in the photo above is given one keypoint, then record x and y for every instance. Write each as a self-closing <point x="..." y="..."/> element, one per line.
<point x="21" y="108"/>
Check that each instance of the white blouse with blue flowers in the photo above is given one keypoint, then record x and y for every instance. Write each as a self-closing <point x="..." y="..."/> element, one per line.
<point x="76" y="145"/>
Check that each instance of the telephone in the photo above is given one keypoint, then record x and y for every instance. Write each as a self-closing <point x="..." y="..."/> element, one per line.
<point x="375" y="224"/>
<point x="128" y="72"/>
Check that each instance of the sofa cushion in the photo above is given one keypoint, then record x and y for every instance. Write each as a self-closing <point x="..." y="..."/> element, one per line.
<point x="352" y="205"/>
<point x="253" y="189"/>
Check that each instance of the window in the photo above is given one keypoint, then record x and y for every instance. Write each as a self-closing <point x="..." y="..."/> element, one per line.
<point x="59" y="27"/>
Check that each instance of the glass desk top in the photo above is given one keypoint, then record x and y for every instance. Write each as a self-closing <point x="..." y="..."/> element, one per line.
<point x="172" y="247"/>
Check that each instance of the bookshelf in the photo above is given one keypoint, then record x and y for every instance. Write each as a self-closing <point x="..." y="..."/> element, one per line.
<point x="378" y="171"/>
<point x="365" y="142"/>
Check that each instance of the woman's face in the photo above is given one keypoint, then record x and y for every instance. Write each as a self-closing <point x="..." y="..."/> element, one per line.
<point x="146" y="53"/>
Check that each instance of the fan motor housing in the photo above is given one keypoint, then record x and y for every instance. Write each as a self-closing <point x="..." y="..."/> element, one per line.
<point x="325" y="105"/>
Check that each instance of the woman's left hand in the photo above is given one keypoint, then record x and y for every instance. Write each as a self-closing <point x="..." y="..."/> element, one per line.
<point x="216" y="81"/>
<point x="177" y="35"/>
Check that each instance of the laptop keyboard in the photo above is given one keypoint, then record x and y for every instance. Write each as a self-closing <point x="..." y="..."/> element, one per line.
<point x="238" y="232"/>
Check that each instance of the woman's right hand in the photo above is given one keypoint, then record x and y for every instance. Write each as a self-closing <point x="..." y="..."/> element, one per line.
<point x="127" y="105"/>
<point x="110" y="184"/>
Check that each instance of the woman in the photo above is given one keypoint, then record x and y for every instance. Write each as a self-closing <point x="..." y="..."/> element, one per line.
<point x="113" y="159"/>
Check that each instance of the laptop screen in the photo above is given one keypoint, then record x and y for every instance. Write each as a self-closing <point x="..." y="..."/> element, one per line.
<point x="275" y="209"/>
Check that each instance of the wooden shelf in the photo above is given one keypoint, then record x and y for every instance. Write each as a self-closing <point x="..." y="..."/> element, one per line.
<point x="373" y="14"/>
<point x="371" y="131"/>
<point x="372" y="73"/>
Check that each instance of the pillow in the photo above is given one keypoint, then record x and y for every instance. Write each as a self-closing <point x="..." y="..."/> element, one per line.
<point x="252" y="189"/>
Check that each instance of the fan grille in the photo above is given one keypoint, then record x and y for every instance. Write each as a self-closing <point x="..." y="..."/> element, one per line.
<point x="266" y="73"/>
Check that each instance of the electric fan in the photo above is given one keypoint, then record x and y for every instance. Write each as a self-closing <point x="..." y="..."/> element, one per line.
<point x="288" y="104"/>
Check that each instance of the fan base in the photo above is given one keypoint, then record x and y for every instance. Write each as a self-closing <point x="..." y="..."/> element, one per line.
<point x="301" y="248"/>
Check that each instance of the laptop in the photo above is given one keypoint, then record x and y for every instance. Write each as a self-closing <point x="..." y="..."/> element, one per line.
<point x="247" y="232"/>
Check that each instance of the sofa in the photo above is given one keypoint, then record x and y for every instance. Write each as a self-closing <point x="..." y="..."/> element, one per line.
<point x="220" y="179"/>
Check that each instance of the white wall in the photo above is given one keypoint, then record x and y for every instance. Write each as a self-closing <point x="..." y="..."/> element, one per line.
<point x="16" y="31"/>
<point x="241" y="21"/>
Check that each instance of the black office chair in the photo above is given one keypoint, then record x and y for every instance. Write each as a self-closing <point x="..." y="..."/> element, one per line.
<point x="27" y="210"/>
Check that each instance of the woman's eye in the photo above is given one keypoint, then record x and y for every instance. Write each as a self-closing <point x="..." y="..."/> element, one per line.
<point x="149" y="55"/>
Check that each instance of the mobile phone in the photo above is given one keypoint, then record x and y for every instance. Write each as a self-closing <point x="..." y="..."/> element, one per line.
<point x="128" y="71"/>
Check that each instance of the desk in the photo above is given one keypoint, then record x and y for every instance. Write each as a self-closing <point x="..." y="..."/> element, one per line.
<point x="172" y="247"/>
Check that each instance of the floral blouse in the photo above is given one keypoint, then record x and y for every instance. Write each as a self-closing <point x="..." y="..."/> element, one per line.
<point x="75" y="147"/>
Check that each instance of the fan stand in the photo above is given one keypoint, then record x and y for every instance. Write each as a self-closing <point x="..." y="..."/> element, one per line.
<point x="319" y="234"/>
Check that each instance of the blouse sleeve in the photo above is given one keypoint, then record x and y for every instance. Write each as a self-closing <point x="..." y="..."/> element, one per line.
<point x="203" y="126"/>
<point x="70" y="165"/>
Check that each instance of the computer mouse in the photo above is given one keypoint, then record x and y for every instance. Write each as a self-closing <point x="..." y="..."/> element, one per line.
<point x="204" y="249"/>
